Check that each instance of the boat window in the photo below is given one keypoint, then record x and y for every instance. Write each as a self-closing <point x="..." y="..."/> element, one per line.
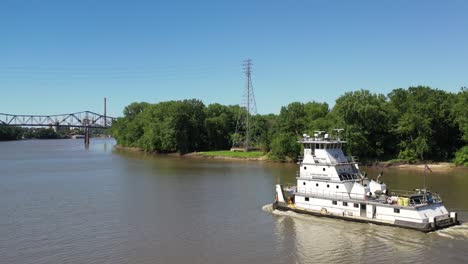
<point x="334" y="202"/>
<point x="356" y="205"/>
<point x="306" y="199"/>
<point x="317" y="146"/>
<point x="328" y="185"/>
<point x="323" y="169"/>
<point x="347" y="176"/>
<point x="304" y="183"/>
<point x="341" y="177"/>
<point x="337" y="187"/>
<point x="345" y="203"/>
<point x="305" y="168"/>
<point x="396" y="210"/>
<point x="316" y="184"/>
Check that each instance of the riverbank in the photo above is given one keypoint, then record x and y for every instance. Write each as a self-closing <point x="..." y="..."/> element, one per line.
<point x="218" y="154"/>
<point x="230" y="155"/>
<point x="434" y="166"/>
<point x="260" y="156"/>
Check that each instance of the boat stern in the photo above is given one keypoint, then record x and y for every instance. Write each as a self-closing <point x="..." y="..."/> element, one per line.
<point x="444" y="221"/>
<point x="437" y="217"/>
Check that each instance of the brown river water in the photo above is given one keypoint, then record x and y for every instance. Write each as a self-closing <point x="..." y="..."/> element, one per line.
<point x="63" y="203"/>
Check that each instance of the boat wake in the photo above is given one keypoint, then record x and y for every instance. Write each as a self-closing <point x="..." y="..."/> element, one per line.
<point x="459" y="232"/>
<point x="268" y="208"/>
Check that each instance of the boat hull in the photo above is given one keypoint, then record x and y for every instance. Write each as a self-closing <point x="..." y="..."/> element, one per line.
<point x="423" y="227"/>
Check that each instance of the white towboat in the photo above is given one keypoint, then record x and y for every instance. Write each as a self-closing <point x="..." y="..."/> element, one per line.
<point x="330" y="184"/>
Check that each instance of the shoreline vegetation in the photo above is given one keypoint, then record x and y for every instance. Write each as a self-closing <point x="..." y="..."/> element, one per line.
<point x="414" y="125"/>
<point x="10" y="133"/>
<point x="260" y="156"/>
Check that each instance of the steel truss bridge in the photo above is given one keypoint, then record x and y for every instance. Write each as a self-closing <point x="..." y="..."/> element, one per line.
<point x="86" y="119"/>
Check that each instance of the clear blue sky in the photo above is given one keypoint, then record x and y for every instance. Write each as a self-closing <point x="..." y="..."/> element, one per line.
<point x="65" y="56"/>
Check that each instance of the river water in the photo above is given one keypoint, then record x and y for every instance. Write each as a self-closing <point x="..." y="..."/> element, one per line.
<point x="63" y="203"/>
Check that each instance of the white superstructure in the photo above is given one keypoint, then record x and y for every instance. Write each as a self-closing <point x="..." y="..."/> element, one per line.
<point x="330" y="184"/>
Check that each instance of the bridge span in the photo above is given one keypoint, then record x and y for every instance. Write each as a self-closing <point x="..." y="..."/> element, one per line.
<point x="86" y="120"/>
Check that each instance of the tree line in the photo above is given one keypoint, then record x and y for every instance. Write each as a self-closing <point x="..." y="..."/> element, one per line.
<point x="414" y="124"/>
<point x="17" y="133"/>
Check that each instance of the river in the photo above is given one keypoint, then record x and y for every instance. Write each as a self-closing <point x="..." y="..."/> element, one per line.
<point x="63" y="203"/>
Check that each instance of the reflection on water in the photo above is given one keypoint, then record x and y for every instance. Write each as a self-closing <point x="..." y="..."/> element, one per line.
<point x="63" y="203"/>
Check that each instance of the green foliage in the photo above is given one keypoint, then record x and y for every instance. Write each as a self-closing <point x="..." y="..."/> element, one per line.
<point x="219" y="123"/>
<point x="174" y="126"/>
<point x="237" y="154"/>
<point x="460" y="112"/>
<point x="410" y="124"/>
<point x="292" y="118"/>
<point x="46" y="133"/>
<point x="408" y="155"/>
<point x="10" y="133"/>
<point x="367" y="120"/>
<point x="262" y="130"/>
<point x="16" y="133"/>
<point x="425" y="125"/>
<point x="284" y="146"/>
<point x="461" y="156"/>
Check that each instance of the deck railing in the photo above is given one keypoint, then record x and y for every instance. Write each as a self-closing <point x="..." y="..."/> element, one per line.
<point x="333" y="161"/>
<point x="429" y="198"/>
<point x="335" y="195"/>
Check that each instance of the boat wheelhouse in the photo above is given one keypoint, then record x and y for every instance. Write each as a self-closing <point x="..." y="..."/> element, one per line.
<point x="330" y="184"/>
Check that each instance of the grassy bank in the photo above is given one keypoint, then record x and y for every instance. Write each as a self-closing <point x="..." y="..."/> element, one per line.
<point x="254" y="155"/>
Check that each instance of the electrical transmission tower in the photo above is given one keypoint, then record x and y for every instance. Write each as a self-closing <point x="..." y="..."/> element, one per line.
<point x="243" y="137"/>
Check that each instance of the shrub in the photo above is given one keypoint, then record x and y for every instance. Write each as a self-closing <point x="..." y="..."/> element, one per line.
<point x="461" y="156"/>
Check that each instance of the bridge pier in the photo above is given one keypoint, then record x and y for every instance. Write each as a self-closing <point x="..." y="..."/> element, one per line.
<point x="86" y="137"/>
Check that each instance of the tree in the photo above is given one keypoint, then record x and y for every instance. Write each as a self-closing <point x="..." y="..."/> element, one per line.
<point x="424" y="126"/>
<point x="292" y="118"/>
<point x="220" y="123"/>
<point x="10" y="133"/>
<point x="134" y="109"/>
<point x="284" y="146"/>
<point x="366" y="119"/>
<point x="460" y="112"/>
<point x="317" y="117"/>
<point x="128" y="130"/>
